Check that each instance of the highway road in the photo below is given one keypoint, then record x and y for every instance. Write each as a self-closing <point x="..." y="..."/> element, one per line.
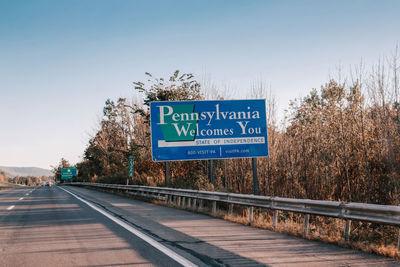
<point x="71" y="226"/>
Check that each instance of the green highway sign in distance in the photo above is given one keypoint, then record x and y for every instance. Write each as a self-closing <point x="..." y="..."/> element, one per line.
<point x="68" y="173"/>
<point x="130" y="166"/>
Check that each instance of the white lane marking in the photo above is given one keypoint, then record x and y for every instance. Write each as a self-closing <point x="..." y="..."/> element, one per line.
<point x="27" y="194"/>
<point x="11" y="207"/>
<point x="21" y="198"/>
<point x="178" y="258"/>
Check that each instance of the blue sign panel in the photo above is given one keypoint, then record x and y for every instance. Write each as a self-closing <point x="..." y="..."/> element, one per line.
<point x="190" y="130"/>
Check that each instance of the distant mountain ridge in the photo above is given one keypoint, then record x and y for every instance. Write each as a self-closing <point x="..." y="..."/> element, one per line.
<point x="25" y="171"/>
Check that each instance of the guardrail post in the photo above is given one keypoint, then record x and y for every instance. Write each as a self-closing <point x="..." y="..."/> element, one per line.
<point x="200" y="204"/>
<point x="347" y="229"/>
<point x="189" y="203"/>
<point x="214" y="207"/>
<point x="175" y="200"/>
<point x="183" y="202"/>
<point x="398" y="241"/>
<point x="179" y="202"/>
<point x="275" y="219"/>
<point x="306" y="224"/>
<point x="230" y="211"/>
<point x="251" y="211"/>
<point x="194" y="203"/>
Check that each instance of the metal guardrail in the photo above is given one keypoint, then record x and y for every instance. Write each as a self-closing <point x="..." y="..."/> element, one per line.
<point x="381" y="214"/>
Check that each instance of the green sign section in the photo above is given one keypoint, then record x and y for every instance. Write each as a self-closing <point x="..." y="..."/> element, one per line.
<point x="181" y="126"/>
<point x="68" y="173"/>
<point x="130" y="166"/>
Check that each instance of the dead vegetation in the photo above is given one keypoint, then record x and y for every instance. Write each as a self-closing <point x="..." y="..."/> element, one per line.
<point x="339" y="143"/>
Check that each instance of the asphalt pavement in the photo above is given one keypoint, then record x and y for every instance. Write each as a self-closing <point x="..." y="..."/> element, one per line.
<point x="48" y="227"/>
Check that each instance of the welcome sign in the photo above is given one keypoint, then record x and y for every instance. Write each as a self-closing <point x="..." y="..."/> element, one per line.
<point x="189" y="130"/>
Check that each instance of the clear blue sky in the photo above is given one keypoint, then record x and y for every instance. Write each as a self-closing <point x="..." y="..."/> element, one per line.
<point x="60" y="60"/>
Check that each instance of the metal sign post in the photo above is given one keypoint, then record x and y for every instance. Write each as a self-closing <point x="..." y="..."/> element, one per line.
<point x="211" y="171"/>
<point x="255" y="178"/>
<point x="166" y="174"/>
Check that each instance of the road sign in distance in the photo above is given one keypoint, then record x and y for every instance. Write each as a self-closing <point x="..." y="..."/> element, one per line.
<point x="68" y="173"/>
<point x="130" y="166"/>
